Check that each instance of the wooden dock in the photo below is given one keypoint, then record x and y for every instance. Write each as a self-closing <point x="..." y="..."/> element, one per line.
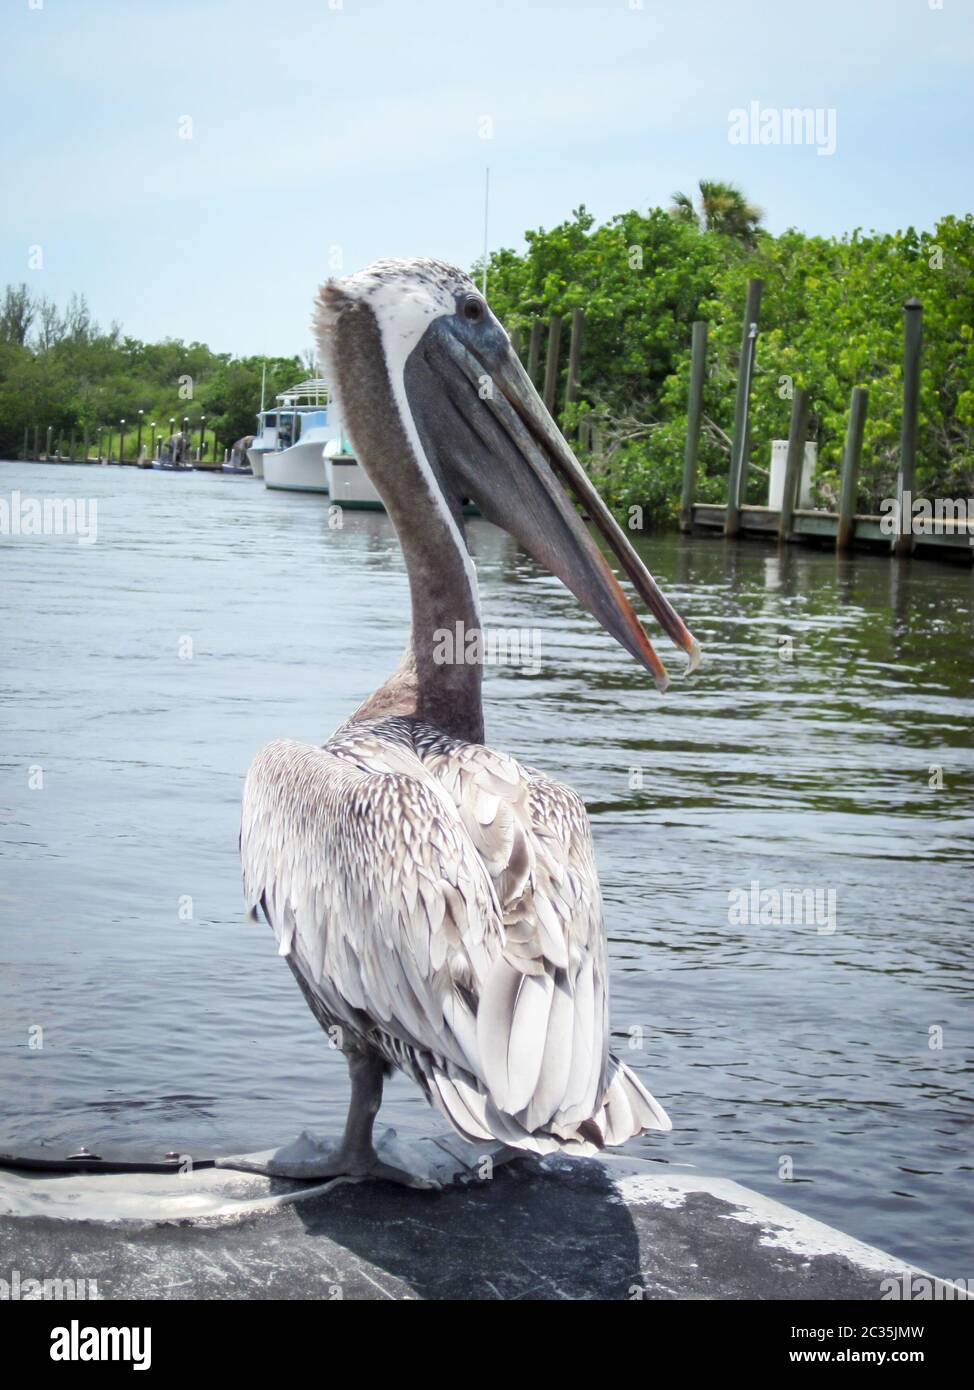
<point x="955" y="541"/>
<point x="943" y="529"/>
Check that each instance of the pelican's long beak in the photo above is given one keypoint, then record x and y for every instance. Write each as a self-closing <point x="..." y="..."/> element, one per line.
<point x="491" y="433"/>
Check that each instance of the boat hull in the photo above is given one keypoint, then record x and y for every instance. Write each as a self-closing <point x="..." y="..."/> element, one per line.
<point x="350" y="486"/>
<point x="255" y="457"/>
<point x="298" y="469"/>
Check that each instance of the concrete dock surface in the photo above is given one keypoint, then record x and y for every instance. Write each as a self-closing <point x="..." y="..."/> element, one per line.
<point x="611" y="1228"/>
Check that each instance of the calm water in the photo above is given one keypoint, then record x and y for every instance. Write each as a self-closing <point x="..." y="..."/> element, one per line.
<point x="766" y="1043"/>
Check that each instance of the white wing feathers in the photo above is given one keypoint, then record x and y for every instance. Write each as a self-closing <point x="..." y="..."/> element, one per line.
<point x="442" y="902"/>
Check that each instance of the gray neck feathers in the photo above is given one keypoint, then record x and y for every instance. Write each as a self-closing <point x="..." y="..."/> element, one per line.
<point x="443" y="593"/>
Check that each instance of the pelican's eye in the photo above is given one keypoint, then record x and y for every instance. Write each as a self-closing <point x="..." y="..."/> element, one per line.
<point x="473" y="308"/>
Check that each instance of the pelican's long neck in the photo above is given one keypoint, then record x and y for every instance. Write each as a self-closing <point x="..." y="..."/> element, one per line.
<point x="443" y="591"/>
<point x="442" y="579"/>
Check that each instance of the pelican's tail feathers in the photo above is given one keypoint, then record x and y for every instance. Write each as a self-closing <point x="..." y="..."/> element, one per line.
<point x="627" y="1109"/>
<point x="463" y="1101"/>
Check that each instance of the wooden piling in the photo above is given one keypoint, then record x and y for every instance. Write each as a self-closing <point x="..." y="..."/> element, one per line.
<point x="84" y="446"/>
<point x="534" y="350"/>
<point x="551" y="361"/>
<point x="574" y="357"/>
<point x="26" y="454"/>
<point x="732" y="521"/>
<point x="902" y="543"/>
<point x="795" y="458"/>
<point x="846" y="530"/>
<point x="698" y="363"/>
<point x="37" y="441"/>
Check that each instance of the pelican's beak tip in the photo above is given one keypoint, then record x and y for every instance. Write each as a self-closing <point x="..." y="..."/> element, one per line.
<point x="694" y="655"/>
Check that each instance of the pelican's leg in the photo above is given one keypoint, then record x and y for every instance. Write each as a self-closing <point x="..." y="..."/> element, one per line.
<point x="356" y="1156"/>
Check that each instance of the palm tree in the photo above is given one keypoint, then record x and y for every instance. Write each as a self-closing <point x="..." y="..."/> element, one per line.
<point x="683" y="209"/>
<point x="723" y="208"/>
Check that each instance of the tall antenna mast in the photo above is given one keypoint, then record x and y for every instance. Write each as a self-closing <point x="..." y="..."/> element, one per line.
<point x="483" y="273"/>
<point x="263" y="379"/>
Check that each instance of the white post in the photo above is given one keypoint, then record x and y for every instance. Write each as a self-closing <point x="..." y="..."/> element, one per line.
<point x="483" y="277"/>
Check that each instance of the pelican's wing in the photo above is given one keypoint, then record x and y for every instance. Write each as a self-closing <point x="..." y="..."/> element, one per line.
<point x="383" y="895"/>
<point x="534" y="837"/>
<point x="375" y="894"/>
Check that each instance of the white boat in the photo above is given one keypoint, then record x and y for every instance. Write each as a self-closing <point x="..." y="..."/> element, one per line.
<point x="255" y="456"/>
<point x="348" y="483"/>
<point x="257" y="447"/>
<point x="291" y="439"/>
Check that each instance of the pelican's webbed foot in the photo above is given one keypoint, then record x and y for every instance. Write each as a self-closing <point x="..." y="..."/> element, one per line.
<point x="355" y="1156"/>
<point x="363" y="1162"/>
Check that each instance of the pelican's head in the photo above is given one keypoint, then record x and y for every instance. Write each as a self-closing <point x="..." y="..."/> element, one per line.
<point x="478" y="429"/>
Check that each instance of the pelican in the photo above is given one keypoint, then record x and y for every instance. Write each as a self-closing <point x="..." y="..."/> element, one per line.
<point x="438" y="902"/>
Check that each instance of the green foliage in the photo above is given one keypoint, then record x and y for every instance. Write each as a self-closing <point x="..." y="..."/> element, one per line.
<point x="639" y="278"/>
<point x="831" y="319"/>
<point x="231" y="392"/>
<point x="69" y="375"/>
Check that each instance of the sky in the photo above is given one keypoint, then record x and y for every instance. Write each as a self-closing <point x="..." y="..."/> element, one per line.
<point x="197" y="169"/>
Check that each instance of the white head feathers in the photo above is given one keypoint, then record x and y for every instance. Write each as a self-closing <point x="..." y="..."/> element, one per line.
<point x="404" y="295"/>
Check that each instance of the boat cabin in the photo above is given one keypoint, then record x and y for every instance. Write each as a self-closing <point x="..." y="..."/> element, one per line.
<point x="299" y="410"/>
